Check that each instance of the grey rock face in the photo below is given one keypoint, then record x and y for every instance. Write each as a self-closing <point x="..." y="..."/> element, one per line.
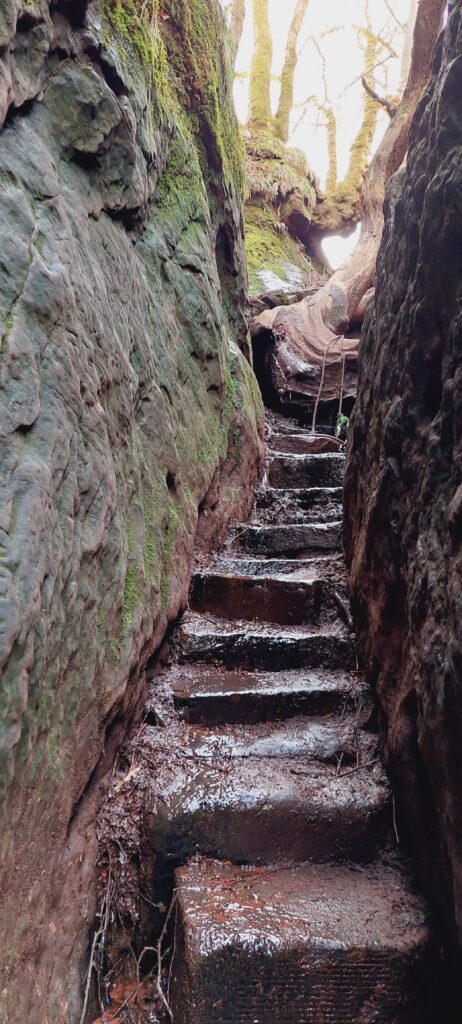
<point x="404" y="486"/>
<point x="117" y="400"/>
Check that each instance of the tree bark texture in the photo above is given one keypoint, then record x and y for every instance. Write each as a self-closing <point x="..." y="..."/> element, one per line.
<point x="286" y="99"/>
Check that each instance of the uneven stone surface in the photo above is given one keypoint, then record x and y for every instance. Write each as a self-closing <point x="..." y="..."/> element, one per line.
<point x="246" y="760"/>
<point x="213" y="696"/>
<point x="306" y="470"/>
<point x="126" y="405"/>
<point x="404" y="490"/>
<point x="263" y="645"/>
<point x="318" y="943"/>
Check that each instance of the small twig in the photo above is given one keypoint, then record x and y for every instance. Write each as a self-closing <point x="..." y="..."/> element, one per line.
<point x="159" y="957"/>
<point x="395" y="827"/>
<point x="321" y="382"/>
<point x="89" y="974"/>
<point x="344" y="609"/>
<point x="129" y="998"/>
<point x="359" y="767"/>
<point x="393" y="15"/>
<point x="390" y="105"/>
<point x="98" y="936"/>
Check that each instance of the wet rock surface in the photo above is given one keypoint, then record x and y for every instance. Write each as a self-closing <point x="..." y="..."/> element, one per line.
<point x="129" y="417"/>
<point x="404" y="490"/>
<point x="255" y="794"/>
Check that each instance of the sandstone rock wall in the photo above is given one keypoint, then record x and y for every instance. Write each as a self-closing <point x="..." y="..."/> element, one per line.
<point x="404" y="488"/>
<point x="123" y="414"/>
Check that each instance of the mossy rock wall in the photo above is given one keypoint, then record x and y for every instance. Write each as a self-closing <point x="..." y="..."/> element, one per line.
<point x="121" y="288"/>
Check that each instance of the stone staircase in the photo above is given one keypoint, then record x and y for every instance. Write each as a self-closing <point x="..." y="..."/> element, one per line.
<point x="267" y="795"/>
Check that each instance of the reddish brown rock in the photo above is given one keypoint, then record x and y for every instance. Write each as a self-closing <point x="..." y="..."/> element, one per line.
<point x="403" y="487"/>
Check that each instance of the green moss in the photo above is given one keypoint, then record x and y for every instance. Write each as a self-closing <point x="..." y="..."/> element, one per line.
<point x="274" y="171"/>
<point x="151" y="505"/>
<point x="270" y="249"/>
<point x="133" y="594"/>
<point x="197" y="49"/>
<point x="172" y="520"/>
<point x="137" y="25"/>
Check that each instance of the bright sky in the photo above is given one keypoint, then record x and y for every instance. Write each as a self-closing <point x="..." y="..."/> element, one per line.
<point x="344" y="65"/>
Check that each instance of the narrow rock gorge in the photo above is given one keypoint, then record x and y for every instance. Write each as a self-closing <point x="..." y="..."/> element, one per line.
<point x="230" y="760"/>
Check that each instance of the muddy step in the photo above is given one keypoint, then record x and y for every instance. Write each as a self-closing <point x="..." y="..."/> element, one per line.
<point x="269" y="598"/>
<point x="262" y="808"/>
<point x="304" y="444"/>
<point x="306" y="471"/>
<point x="298" y="537"/>
<point x="263" y="646"/>
<point x="317" y="566"/>
<point x="315" y="504"/>
<point x="323" y="943"/>
<point x="212" y="696"/>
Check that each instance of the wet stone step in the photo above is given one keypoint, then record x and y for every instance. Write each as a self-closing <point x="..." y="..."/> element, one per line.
<point x="262" y="808"/>
<point x="273" y="540"/>
<point x="318" y="566"/>
<point x="268" y="598"/>
<point x="318" y="944"/>
<point x="303" y="444"/>
<point x="315" y="504"/>
<point x="306" y="471"/>
<point x="210" y="696"/>
<point x="263" y="646"/>
<point x="329" y="739"/>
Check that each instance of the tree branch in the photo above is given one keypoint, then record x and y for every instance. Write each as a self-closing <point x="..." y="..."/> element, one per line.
<point x="260" y="120"/>
<point x="236" y="26"/>
<point x="286" y="99"/>
<point x="388" y="103"/>
<point x="393" y="15"/>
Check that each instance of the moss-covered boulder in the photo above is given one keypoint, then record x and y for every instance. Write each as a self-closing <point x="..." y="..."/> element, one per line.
<point x="281" y="193"/>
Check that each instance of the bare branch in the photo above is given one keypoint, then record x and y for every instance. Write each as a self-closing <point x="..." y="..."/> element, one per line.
<point x="393" y="15"/>
<point x="387" y="102"/>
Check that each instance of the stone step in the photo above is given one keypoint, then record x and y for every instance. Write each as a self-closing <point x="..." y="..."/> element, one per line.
<point x="304" y="443"/>
<point x="262" y="645"/>
<point x="296" y="538"/>
<point x="267" y="598"/>
<point x="318" y="944"/>
<point x="271" y="801"/>
<point x="330" y="739"/>
<point x="306" y="471"/>
<point x="213" y="696"/>
<point x="315" y="504"/>
<point x="329" y="566"/>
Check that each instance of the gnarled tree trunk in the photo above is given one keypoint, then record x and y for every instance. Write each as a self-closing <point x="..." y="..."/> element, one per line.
<point x="343" y="293"/>
<point x="305" y="330"/>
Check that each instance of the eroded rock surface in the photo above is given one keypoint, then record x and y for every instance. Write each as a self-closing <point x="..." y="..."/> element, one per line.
<point x="404" y="486"/>
<point x="123" y="411"/>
